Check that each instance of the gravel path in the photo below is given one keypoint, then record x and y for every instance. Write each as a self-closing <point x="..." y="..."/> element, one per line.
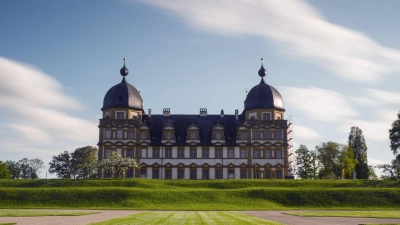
<point x="270" y="215"/>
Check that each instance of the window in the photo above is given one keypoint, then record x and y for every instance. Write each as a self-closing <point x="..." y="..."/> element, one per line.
<point x="120" y="115"/>
<point x="267" y="135"/>
<point x="231" y="174"/>
<point x="205" y="153"/>
<point x="230" y="153"/>
<point x="119" y="134"/>
<point x="218" y="174"/>
<point x="267" y="154"/>
<point x="255" y="134"/>
<point x="168" y="174"/>
<point x="108" y="134"/>
<point x="218" y="135"/>
<point x="193" y="135"/>
<point x="255" y="154"/>
<point x="267" y="174"/>
<point x="243" y="136"/>
<point x="193" y="153"/>
<point x="130" y="173"/>
<point x="180" y="153"/>
<point x="193" y="174"/>
<point x="155" y="174"/>
<point x="130" y="153"/>
<point x="243" y="174"/>
<point x="242" y="153"/>
<point x="156" y="153"/>
<point x="278" y="134"/>
<point x="279" y="174"/>
<point x="106" y="153"/>
<point x="143" y="173"/>
<point x="168" y="135"/>
<point x="168" y="153"/>
<point x="181" y="174"/>
<point x="256" y="174"/>
<point x="106" y="174"/>
<point x="218" y="153"/>
<point x="143" y="135"/>
<point x="206" y="174"/>
<point x="278" y="154"/>
<point x="131" y="134"/>
<point x="266" y="116"/>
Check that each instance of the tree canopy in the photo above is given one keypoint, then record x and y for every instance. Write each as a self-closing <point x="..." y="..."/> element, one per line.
<point x="4" y="172"/>
<point x="117" y="165"/>
<point x="357" y="143"/>
<point x="394" y="135"/>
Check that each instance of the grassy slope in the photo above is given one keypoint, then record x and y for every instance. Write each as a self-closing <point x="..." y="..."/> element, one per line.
<point x="199" y="194"/>
<point x="197" y="218"/>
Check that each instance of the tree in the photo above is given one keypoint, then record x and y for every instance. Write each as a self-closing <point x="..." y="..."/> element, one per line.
<point x="328" y="153"/>
<point x="35" y="166"/>
<point x="62" y="166"/>
<point x="357" y="143"/>
<point x="14" y="169"/>
<point x="315" y="165"/>
<point x="26" y="170"/>
<point x="84" y="161"/>
<point x="4" y="172"/>
<point x="116" y="165"/>
<point x="303" y="163"/>
<point x="347" y="161"/>
<point x="394" y="135"/>
<point x="391" y="171"/>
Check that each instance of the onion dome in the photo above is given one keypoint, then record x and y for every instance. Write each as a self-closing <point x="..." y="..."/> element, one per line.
<point x="263" y="95"/>
<point x="123" y="94"/>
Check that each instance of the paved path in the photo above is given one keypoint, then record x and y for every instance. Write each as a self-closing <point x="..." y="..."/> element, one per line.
<point x="270" y="215"/>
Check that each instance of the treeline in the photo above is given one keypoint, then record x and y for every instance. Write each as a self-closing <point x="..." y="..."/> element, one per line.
<point x="22" y="169"/>
<point x="331" y="160"/>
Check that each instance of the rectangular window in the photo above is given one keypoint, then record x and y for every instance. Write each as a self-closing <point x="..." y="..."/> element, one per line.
<point x="243" y="153"/>
<point x="267" y="135"/>
<point x="120" y="115"/>
<point x="243" y="174"/>
<point x="181" y="174"/>
<point x="156" y="153"/>
<point x="168" y="153"/>
<point x="266" y="116"/>
<point x="218" y="174"/>
<point x="193" y="153"/>
<point x="278" y="134"/>
<point x="279" y="174"/>
<point x="256" y="174"/>
<point x="130" y="153"/>
<point x="168" y="135"/>
<point x="143" y="135"/>
<point x="230" y="153"/>
<point x="193" y="174"/>
<point x="218" y="135"/>
<point x="231" y="174"/>
<point x="218" y="153"/>
<point x="106" y="174"/>
<point x="193" y="135"/>
<point x="108" y="134"/>
<point x="278" y="154"/>
<point x="131" y="134"/>
<point x="180" y="153"/>
<point x="205" y="153"/>
<point x="143" y="173"/>
<point x="206" y="174"/>
<point x="267" y="174"/>
<point x="130" y="173"/>
<point x="168" y="174"/>
<point x="255" y="154"/>
<point x="255" y="134"/>
<point x="119" y="134"/>
<point x="106" y="153"/>
<point x="267" y="154"/>
<point x="155" y="174"/>
<point x="243" y="136"/>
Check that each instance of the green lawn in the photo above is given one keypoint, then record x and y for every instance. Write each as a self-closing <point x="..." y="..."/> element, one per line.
<point x="36" y="212"/>
<point x="360" y="214"/>
<point x="189" y="218"/>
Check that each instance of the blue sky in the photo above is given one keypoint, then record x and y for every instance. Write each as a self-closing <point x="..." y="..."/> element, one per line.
<point x="335" y="63"/>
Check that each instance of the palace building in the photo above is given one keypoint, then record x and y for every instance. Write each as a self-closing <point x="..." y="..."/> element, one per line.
<point x="254" y="144"/>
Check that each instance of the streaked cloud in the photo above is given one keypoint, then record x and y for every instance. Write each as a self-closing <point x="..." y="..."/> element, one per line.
<point x="297" y="28"/>
<point x="385" y="96"/>
<point x="305" y="135"/>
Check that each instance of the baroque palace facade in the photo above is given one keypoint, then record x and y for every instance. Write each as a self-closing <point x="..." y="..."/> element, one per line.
<point x="255" y="144"/>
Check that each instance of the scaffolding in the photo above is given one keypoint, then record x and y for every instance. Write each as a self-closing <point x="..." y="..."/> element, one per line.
<point x="290" y="147"/>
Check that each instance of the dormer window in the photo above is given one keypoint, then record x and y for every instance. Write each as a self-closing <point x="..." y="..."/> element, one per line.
<point x="192" y="135"/>
<point x="120" y="115"/>
<point x="143" y="135"/>
<point x="218" y="135"/>
<point x="168" y="136"/>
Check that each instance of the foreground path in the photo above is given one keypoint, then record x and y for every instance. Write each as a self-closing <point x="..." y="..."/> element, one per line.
<point x="276" y="216"/>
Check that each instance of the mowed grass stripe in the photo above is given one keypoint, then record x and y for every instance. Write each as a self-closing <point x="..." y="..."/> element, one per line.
<point x="359" y="214"/>
<point x="187" y="218"/>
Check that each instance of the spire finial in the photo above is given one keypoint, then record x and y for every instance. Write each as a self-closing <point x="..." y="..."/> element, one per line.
<point x="124" y="71"/>
<point x="262" y="72"/>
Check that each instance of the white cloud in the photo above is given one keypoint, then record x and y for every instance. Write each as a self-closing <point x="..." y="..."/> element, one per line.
<point x="392" y="98"/>
<point x="318" y="104"/>
<point x="297" y="28"/>
<point x="34" y="114"/>
<point x="305" y="135"/>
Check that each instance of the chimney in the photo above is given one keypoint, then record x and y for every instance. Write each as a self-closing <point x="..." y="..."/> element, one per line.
<point x="237" y="114"/>
<point x="203" y="111"/>
<point x="222" y="113"/>
<point x="166" y="112"/>
<point x="149" y="113"/>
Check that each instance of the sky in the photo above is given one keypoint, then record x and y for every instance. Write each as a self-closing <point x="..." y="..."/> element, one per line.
<point x="335" y="63"/>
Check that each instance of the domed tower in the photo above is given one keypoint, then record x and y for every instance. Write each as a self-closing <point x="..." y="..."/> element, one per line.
<point x="263" y="102"/>
<point x="123" y="101"/>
